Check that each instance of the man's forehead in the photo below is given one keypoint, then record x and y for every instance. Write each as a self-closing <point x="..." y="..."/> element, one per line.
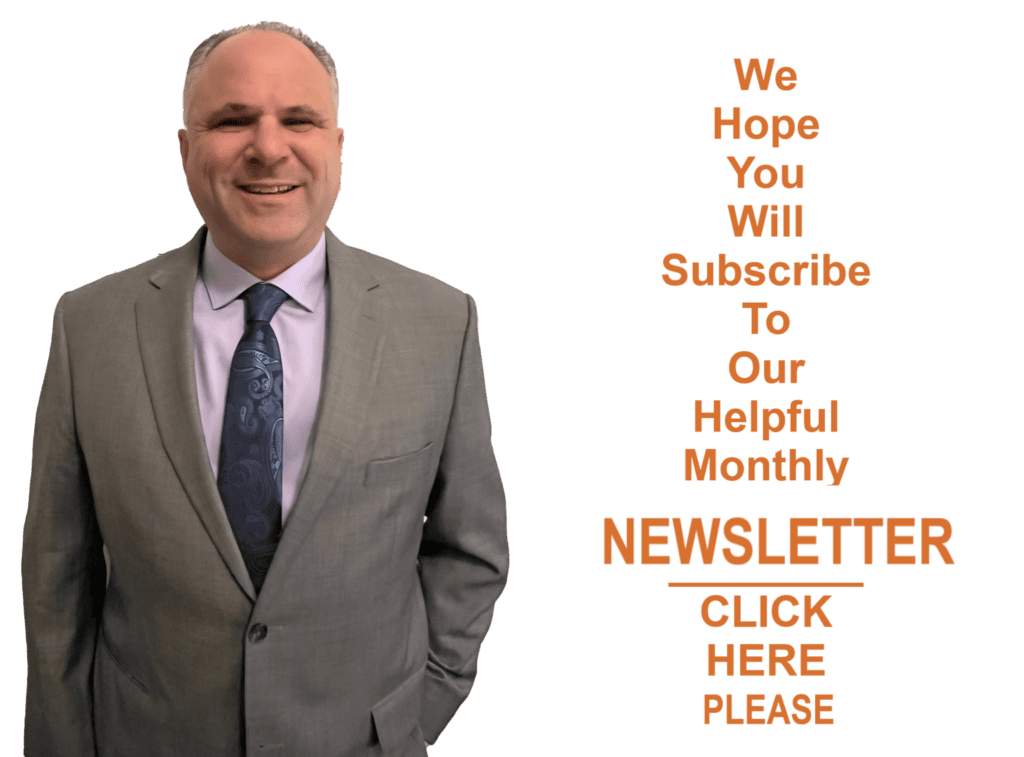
<point x="263" y="57"/>
<point x="262" y="42"/>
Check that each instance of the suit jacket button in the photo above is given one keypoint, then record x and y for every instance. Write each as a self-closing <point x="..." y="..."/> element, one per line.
<point x="257" y="633"/>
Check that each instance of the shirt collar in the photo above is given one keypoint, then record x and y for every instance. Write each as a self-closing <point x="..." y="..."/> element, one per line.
<point x="303" y="281"/>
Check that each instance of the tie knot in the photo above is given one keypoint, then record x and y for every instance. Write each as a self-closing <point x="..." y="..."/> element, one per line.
<point x="262" y="300"/>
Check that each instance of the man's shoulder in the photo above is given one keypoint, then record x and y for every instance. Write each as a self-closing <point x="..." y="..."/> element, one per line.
<point x="408" y="289"/>
<point x="120" y="288"/>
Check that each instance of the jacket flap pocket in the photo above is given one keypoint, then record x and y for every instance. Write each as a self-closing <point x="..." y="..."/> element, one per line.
<point x="398" y="714"/>
<point x="399" y="468"/>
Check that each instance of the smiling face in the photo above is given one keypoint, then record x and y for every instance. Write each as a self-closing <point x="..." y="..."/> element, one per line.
<point x="262" y="151"/>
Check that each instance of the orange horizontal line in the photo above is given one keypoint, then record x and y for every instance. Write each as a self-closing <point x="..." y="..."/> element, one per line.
<point x="780" y="585"/>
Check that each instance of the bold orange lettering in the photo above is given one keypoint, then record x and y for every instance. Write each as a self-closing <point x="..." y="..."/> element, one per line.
<point x="741" y="170"/>
<point x="891" y="557"/>
<point x="820" y="708"/>
<point x="775" y="658"/>
<point x="673" y="263"/>
<point x="828" y="266"/>
<point x="739" y="541"/>
<point x="775" y="611"/>
<point x="737" y="612"/>
<point x="798" y="182"/>
<point x="778" y="710"/>
<point x="751" y="709"/>
<point x="798" y="701"/>
<point x="793" y="366"/>
<point x="807" y="127"/>
<point x="739" y="224"/>
<point x="699" y="416"/>
<point x="704" y="467"/>
<point x="773" y="278"/>
<point x="795" y="540"/>
<point x="837" y="538"/>
<point x="777" y="134"/>
<point x="755" y="367"/>
<point x="754" y="67"/>
<point x="811" y="610"/>
<point x="707" y="618"/>
<point x="647" y="539"/>
<point x="770" y="322"/>
<point x="775" y="378"/>
<point x="746" y="658"/>
<point x="868" y="524"/>
<point x="859" y="274"/>
<point x="707" y="545"/>
<point x="752" y="465"/>
<point x="785" y="76"/>
<point x="735" y="420"/>
<point x="713" y="659"/>
<point x="763" y="557"/>
<point x="727" y="267"/>
<point x="760" y="122"/>
<point x="729" y="719"/>
<point x="725" y="468"/>
<point x="706" y="611"/>
<point x="755" y="273"/>
<point x="939" y="542"/>
<point x="806" y="659"/>
<point x="611" y="534"/>
<point x="712" y="704"/>
<point x="753" y="307"/>
<point x="773" y="176"/>
<point x="734" y="122"/>
<point x="769" y="413"/>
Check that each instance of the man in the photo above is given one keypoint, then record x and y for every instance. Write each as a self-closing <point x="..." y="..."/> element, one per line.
<point x="281" y="442"/>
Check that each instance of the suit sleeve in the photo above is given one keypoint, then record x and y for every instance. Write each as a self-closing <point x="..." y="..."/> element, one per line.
<point x="63" y="572"/>
<point x="464" y="554"/>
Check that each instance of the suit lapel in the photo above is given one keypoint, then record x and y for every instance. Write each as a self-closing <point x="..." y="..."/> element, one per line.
<point x="164" y="318"/>
<point x="355" y="343"/>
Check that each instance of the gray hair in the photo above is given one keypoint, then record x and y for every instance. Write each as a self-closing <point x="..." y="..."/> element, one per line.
<point x="201" y="53"/>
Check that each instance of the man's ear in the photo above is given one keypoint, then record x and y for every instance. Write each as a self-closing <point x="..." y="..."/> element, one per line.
<point x="341" y="143"/>
<point x="183" y="144"/>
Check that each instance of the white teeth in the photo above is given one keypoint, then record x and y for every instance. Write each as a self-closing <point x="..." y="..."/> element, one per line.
<point x="267" y="190"/>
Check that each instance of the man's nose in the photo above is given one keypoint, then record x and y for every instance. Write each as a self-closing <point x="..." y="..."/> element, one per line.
<point x="269" y="142"/>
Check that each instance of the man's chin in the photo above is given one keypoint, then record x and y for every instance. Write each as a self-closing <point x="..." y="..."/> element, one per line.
<point x="268" y="236"/>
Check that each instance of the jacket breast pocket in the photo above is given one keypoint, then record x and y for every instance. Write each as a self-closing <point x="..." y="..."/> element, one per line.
<point x="396" y="470"/>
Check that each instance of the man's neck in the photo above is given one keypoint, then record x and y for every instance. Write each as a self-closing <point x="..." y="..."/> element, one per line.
<point x="265" y="261"/>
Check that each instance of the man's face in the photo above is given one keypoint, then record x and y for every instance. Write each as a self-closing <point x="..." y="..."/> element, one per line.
<point x="262" y="152"/>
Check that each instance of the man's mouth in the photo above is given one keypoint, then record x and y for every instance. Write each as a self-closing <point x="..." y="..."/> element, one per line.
<point x="257" y="189"/>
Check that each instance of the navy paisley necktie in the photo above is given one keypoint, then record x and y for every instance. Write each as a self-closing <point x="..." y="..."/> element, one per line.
<point x="252" y="445"/>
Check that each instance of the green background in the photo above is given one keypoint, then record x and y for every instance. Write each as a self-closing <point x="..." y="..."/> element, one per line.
<point x="545" y="157"/>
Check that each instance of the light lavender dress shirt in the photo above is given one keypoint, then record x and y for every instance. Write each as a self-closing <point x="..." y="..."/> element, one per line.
<point x="300" y="324"/>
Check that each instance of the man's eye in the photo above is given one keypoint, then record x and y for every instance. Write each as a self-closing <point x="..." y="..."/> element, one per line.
<point x="297" y="121"/>
<point x="231" y="122"/>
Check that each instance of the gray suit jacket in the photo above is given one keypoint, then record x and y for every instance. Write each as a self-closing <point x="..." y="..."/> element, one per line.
<point x="364" y="638"/>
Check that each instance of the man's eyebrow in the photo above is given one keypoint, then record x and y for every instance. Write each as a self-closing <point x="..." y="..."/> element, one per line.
<point x="302" y="110"/>
<point x="229" y="109"/>
<point x="232" y="108"/>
